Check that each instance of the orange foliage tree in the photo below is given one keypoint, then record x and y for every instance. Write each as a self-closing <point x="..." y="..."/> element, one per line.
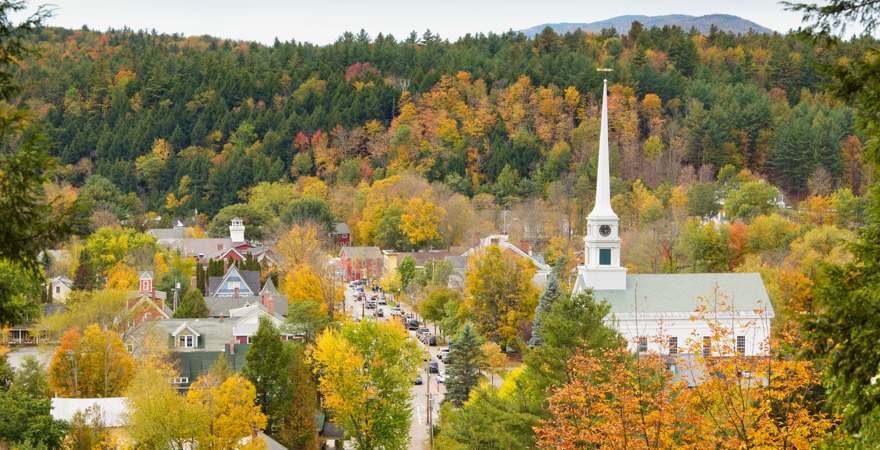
<point x="92" y="364"/>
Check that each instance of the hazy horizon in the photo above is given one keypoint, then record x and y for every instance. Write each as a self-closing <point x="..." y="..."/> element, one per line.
<point x="323" y="23"/>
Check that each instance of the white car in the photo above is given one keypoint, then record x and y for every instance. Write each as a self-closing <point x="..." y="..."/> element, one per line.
<point x="441" y="378"/>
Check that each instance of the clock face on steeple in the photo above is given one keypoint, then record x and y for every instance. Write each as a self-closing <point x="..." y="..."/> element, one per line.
<point x="605" y="230"/>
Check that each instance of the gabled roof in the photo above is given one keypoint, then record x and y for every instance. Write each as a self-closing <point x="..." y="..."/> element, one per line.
<point x="62" y="280"/>
<point x="221" y="306"/>
<point x="269" y="288"/>
<point x="145" y="275"/>
<point x="250" y="281"/>
<point x="144" y="300"/>
<point x="185" y="326"/>
<point x="742" y="293"/>
<point x="502" y="241"/>
<point x="250" y="322"/>
<point x="361" y="252"/>
<point x="341" y="228"/>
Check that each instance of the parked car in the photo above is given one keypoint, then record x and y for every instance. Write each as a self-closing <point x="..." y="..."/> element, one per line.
<point x="424" y="330"/>
<point x="431" y="340"/>
<point x="441" y="378"/>
<point x="433" y="367"/>
<point x="418" y="380"/>
<point x="412" y="324"/>
<point x="370" y="305"/>
<point x="379" y="313"/>
<point x="444" y="353"/>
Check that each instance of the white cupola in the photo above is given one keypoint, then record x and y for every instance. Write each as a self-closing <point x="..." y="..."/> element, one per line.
<point x="236" y="230"/>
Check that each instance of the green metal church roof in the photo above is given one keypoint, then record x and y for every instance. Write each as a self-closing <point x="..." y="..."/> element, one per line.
<point x="685" y="292"/>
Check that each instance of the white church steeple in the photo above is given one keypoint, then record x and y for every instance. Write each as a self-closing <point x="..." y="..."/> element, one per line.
<point x="602" y="269"/>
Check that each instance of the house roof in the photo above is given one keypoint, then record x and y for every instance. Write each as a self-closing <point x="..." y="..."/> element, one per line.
<point x="250" y="277"/>
<point x="361" y="252"/>
<point x="214" y="333"/>
<point x="178" y="232"/>
<point x="685" y="292"/>
<point x="182" y="327"/>
<point x="145" y="275"/>
<point x="502" y="241"/>
<point x="222" y="306"/>
<point x="113" y="409"/>
<point x="341" y="228"/>
<point x="62" y="280"/>
<point x="421" y="258"/>
<point x="196" y="246"/>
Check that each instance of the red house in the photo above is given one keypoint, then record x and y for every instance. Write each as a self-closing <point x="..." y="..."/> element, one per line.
<point x="360" y="263"/>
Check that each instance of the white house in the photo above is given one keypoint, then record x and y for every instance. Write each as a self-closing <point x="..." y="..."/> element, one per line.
<point x="59" y="288"/>
<point x="659" y="312"/>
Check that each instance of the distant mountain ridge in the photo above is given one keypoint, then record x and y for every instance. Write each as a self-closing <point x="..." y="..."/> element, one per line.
<point x="724" y="22"/>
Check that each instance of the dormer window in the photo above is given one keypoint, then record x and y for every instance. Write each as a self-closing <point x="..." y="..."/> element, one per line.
<point x="186" y="341"/>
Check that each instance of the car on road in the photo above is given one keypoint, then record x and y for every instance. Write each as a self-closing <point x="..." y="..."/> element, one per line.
<point x="370" y="305"/>
<point x="444" y="353"/>
<point x="412" y="324"/>
<point x="418" y="381"/>
<point x="382" y="301"/>
<point x="441" y="378"/>
<point x="433" y="366"/>
<point x="424" y="330"/>
<point x="379" y="313"/>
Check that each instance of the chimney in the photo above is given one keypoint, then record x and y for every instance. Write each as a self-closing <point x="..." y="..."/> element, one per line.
<point x="269" y="303"/>
<point x="153" y="293"/>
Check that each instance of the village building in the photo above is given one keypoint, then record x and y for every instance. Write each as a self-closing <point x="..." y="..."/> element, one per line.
<point x="360" y="263"/>
<point x="341" y="234"/>
<point x="659" y="312"/>
<point x="196" y="344"/>
<point x="59" y="288"/>
<point x="391" y="259"/>
<point x="241" y="288"/>
<point x="502" y="241"/>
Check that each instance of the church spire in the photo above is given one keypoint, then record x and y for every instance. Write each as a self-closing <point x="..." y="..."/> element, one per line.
<point x="602" y="208"/>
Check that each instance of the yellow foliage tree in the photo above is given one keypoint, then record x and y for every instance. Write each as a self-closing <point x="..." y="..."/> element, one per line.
<point x="228" y="413"/>
<point x="500" y="294"/>
<point x="302" y="284"/>
<point x="122" y="276"/>
<point x="94" y="364"/>
<point x="421" y="222"/>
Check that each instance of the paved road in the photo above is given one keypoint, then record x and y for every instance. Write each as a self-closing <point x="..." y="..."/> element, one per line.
<point x="418" y="432"/>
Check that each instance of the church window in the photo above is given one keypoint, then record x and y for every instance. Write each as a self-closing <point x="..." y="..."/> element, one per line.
<point x="741" y="345"/>
<point x="643" y="344"/>
<point x="604" y="256"/>
<point x="673" y="345"/>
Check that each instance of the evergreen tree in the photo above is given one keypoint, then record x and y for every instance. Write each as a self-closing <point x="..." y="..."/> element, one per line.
<point x="84" y="279"/>
<point x="545" y="302"/>
<point x="192" y="305"/>
<point x="266" y="365"/>
<point x="298" y="430"/>
<point x="464" y="363"/>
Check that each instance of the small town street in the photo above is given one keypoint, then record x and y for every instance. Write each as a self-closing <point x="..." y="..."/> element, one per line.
<point x="419" y="430"/>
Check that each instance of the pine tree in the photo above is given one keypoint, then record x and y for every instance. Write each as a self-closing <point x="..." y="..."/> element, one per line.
<point x="463" y="369"/>
<point x="545" y="302"/>
<point x="267" y="366"/>
<point x="85" y="273"/>
<point x="298" y="430"/>
<point x="192" y="306"/>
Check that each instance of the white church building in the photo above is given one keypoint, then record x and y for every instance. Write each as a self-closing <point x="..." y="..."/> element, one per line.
<point x="659" y="312"/>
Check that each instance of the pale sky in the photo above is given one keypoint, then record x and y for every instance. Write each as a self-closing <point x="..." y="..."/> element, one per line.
<point x="322" y="21"/>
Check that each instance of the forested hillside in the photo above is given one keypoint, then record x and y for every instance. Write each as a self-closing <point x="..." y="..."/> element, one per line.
<point x="192" y="123"/>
